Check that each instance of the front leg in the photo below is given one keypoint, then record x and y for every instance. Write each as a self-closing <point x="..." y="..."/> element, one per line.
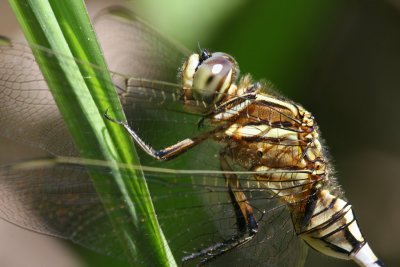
<point x="245" y="221"/>
<point x="168" y="152"/>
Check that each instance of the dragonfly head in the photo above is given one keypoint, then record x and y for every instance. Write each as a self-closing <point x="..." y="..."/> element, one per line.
<point x="207" y="80"/>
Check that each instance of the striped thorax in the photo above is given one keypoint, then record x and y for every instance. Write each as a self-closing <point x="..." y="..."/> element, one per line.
<point x="280" y="141"/>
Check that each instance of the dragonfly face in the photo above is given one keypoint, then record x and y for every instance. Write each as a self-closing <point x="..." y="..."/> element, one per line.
<point x="262" y="178"/>
<point x="207" y="79"/>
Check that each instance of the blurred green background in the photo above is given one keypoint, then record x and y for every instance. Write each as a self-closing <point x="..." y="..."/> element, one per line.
<point x="339" y="59"/>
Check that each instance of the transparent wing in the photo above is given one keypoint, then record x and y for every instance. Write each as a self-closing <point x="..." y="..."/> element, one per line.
<point x="56" y="197"/>
<point x="194" y="208"/>
<point x="134" y="48"/>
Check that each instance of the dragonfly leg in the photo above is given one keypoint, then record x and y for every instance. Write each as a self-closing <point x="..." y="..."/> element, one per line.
<point x="244" y="212"/>
<point x="168" y="152"/>
<point x="245" y="220"/>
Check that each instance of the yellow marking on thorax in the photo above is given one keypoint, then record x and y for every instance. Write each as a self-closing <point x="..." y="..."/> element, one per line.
<point x="262" y="131"/>
<point x="293" y="109"/>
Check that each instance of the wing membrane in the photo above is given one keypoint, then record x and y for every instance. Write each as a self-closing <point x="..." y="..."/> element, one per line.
<point x="57" y="198"/>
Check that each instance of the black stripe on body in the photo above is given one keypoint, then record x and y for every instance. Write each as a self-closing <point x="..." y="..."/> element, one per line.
<point x="331" y="246"/>
<point x="282" y="125"/>
<point x="310" y="208"/>
<point x="241" y="221"/>
<point x="349" y="237"/>
<point x="336" y="248"/>
<point x="337" y="230"/>
<point x="275" y="105"/>
<point x="338" y="215"/>
<point x="357" y="245"/>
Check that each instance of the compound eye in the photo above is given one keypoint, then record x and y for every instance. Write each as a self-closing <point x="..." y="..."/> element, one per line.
<point x="213" y="78"/>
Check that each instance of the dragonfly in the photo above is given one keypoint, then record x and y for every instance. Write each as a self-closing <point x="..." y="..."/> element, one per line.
<point x="261" y="190"/>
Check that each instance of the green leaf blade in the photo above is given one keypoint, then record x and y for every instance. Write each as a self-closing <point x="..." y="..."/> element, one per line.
<point x="82" y="98"/>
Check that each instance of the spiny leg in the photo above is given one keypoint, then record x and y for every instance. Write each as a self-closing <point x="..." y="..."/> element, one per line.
<point x="246" y="223"/>
<point x="168" y="152"/>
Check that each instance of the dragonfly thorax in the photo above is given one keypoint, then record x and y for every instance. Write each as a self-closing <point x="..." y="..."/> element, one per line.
<point x="208" y="79"/>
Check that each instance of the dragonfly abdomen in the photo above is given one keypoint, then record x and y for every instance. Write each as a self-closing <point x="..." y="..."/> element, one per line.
<point x="332" y="229"/>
